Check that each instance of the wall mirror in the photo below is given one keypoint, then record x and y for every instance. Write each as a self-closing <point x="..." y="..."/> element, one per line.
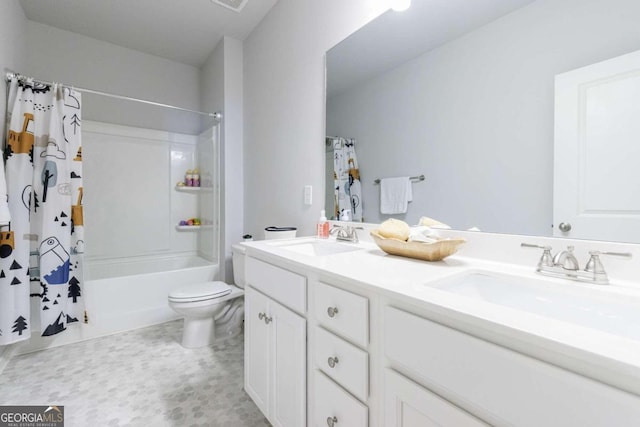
<point x="463" y="92"/>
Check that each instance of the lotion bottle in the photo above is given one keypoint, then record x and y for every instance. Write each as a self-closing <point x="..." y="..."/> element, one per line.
<point x="322" y="229"/>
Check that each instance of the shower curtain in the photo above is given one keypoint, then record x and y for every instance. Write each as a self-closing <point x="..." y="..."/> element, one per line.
<point x="41" y="248"/>
<point x="348" y="191"/>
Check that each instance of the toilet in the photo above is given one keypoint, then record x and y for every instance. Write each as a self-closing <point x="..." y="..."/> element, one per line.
<point x="212" y="310"/>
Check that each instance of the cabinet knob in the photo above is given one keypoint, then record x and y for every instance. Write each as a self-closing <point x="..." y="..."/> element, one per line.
<point x="332" y="311"/>
<point x="332" y="361"/>
<point x="261" y="316"/>
<point x="331" y="421"/>
<point x="267" y="320"/>
<point x="565" y="227"/>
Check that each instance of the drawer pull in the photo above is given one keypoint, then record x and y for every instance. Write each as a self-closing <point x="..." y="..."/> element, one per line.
<point x="332" y="311"/>
<point x="332" y="362"/>
<point x="331" y="421"/>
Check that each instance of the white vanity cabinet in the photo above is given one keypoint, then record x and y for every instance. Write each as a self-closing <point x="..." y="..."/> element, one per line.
<point x="377" y="357"/>
<point x="275" y="343"/>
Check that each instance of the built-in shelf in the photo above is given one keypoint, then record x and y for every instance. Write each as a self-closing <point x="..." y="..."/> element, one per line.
<point x="192" y="227"/>
<point x="188" y="227"/>
<point x="186" y="189"/>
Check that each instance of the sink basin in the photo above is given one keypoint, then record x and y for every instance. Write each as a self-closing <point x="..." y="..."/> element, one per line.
<point x="320" y="248"/>
<point x="606" y="313"/>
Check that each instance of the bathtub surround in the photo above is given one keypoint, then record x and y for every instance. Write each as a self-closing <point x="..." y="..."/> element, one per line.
<point x="130" y="379"/>
<point x="119" y="209"/>
<point x="41" y="255"/>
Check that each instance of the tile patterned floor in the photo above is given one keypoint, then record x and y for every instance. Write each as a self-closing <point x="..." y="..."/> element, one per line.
<point x="136" y="378"/>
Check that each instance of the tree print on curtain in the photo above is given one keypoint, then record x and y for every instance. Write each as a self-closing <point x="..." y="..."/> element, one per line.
<point x="43" y="165"/>
<point x="346" y="175"/>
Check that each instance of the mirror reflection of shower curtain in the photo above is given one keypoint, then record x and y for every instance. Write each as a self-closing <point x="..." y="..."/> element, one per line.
<point x="43" y="166"/>
<point x="346" y="175"/>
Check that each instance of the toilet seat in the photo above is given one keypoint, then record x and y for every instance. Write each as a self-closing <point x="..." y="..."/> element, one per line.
<point x="199" y="292"/>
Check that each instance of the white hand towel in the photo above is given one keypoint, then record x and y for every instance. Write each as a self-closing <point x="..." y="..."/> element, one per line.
<point x="395" y="194"/>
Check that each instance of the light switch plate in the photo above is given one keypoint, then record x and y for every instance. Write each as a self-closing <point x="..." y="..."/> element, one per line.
<point x="308" y="192"/>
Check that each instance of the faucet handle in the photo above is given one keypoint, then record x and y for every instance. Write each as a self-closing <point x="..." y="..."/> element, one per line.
<point x="594" y="265"/>
<point x="546" y="258"/>
<point x="620" y="254"/>
<point x="531" y="245"/>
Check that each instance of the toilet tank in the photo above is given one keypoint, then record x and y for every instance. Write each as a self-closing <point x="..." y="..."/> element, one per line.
<point x="238" y="254"/>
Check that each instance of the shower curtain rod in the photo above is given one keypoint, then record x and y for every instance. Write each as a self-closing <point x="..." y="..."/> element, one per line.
<point x="216" y="115"/>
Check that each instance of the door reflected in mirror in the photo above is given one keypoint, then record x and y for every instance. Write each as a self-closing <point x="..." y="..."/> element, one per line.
<point x="463" y="92"/>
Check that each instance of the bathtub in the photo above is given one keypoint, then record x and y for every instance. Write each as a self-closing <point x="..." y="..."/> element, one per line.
<point x="127" y="294"/>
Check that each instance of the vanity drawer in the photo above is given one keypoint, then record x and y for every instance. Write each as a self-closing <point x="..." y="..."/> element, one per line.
<point x="497" y="384"/>
<point x="335" y="407"/>
<point x="343" y="312"/>
<point x="344" y="362"/>
<point x="282" y="285"/>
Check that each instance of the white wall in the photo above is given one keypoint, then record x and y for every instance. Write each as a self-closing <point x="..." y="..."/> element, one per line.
<point x="13" y="26"/>
<point x="284" y="108"/>
<point x="476" y="115"/>
<point x="221" y="83"/>
<point x="54" y="54"/>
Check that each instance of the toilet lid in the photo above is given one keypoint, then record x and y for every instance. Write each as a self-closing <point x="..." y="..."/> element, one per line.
<point x="200" y="291"/>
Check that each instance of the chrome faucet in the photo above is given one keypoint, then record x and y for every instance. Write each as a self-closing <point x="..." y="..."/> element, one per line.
<point x="565" y="265"/>
<point x="345" y="233"/>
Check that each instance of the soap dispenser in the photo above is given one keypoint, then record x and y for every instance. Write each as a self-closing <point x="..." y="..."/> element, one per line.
<point x="322" y="229"/>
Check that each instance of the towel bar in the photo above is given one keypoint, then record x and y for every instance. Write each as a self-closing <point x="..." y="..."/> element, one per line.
<point x="412" y="178"/>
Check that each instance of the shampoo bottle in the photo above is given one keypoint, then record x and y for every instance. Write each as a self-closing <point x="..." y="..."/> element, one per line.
<point x="323" y="226"/>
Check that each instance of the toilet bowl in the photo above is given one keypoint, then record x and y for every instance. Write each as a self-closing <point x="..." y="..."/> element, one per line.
<point x="212" y="310"/>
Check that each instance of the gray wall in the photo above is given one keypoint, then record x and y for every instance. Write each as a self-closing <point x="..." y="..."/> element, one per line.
<point x="13" y="26"/>
<point x="58" y="55"/>
<point x="221" y="85"/>
<point x="284" y="108"/>
<point x="476" y="115"/>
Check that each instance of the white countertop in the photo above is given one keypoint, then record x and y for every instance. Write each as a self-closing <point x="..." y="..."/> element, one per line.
<point x="606" y="357"/>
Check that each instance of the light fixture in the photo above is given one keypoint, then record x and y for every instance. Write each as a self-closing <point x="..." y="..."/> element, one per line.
<point x="400" y="5"/>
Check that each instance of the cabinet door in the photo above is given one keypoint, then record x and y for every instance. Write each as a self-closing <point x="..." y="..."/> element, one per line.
<point x="409" y="405"/>
<point x="289" y="356"/>
<point x="257" y="348"/>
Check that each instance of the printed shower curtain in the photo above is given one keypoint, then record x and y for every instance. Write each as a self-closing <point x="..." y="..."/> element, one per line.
<point x="348" y="191"/>
<point x="41" y="249"/>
